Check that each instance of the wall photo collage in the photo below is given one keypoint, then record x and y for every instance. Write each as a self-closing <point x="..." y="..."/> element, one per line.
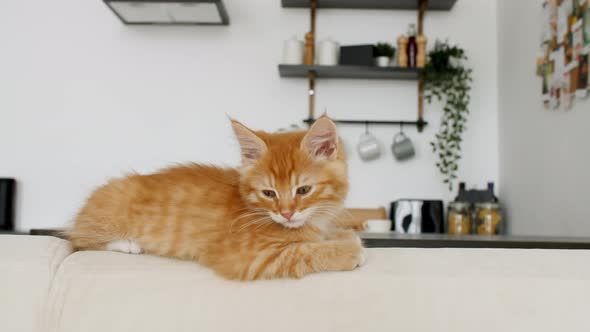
<point x="563" y="59"/>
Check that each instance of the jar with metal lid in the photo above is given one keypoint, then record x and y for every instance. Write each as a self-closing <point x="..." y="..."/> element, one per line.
<point x="459" y="218"/>
<point x="488" y="218"/>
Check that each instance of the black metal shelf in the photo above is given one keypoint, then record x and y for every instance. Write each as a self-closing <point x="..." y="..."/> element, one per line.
<point x="395" y="240"/>
<point x="351" y="72"/>
<point x="420" y="124"/>
<point x="371" y="4"/>
<point x="223" y="16"/>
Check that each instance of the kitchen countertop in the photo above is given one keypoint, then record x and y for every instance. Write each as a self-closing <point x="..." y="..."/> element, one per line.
<point x="390" y="240"/>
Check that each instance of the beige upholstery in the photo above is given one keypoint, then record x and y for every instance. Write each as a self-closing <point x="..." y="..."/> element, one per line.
<point x="27" y="268"/>
<point x="398" y="289"/>
<point x="458" y="290"/>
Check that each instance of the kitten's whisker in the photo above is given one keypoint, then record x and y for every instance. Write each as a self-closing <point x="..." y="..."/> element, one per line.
<point x="331" y="206"/>
<point x="334" y="210"/>
<point x="244" y="227"/>
<point x="245" y="215"/>
<point x="264" y="223"/>
<point x="251" y="215"/>
<point x="326" y="208"/>
<point x="252" y="222"/>
<point x="323" y="212"/>
<point x="250" y="208"/>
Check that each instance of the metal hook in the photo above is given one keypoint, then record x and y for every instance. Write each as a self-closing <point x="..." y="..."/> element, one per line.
<point x="401" y="127"/>
<point x="366" y="127"/>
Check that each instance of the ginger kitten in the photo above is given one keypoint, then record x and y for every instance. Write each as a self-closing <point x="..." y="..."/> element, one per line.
<point x="267" y="219"/>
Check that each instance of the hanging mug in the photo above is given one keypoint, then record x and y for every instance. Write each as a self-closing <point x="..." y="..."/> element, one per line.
<point x="368" y="147"/>
<point x="402" y="147"/>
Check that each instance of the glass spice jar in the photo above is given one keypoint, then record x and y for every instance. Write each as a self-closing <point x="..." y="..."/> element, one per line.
<point x="459" y="218"/>
<point x="488" y="218"/>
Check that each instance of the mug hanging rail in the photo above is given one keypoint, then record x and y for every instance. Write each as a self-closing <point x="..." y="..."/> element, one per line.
<point x="420" y="124"/>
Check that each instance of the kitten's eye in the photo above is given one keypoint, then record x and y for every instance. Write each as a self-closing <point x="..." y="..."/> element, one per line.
<point x="303" y="190"/>
<point x="269" y="193"/>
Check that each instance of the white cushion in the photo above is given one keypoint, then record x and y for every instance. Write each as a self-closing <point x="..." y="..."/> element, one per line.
<point x="27" y="267"/>
<point x="398" y="290"/>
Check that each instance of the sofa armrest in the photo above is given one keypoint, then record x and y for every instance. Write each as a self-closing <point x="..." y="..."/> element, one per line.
<point x="27" y="268"/>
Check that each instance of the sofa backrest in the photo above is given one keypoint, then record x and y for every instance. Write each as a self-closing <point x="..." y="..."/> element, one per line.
<point x="45" y="288"/>
<point x="399" y="289"/>
<point x="27" y="268"/>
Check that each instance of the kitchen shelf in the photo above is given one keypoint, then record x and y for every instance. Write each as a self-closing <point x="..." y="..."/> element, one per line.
<point x="354" y="72"/>
<point x="420" y="124"/>
<point x="3" y="232"/>
<point x="311" y="73"/>
<point x="371" y="4"/>
<point x="395" y="240"/>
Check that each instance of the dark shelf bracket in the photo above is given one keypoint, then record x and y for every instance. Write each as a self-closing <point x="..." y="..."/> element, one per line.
<point x="370" y="4"/>
<point x="352" y="72"/>
<point x="420" y="124"/>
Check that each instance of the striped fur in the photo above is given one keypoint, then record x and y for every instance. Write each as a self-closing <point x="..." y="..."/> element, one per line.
<point x="221" y="218"/>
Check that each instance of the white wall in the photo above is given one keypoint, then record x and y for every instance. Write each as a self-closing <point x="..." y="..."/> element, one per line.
<point x="545" y="156"/>
<point x="84" y="98"/>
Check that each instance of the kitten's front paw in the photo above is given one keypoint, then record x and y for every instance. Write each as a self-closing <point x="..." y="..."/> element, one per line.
<point x="361" y="252"/>
<point x="357" y="239"/>
<point x="350" y="255"/>
<point x="363" y="257"/>
<point x="126" y="246"/>
<point x="134" y="248"/>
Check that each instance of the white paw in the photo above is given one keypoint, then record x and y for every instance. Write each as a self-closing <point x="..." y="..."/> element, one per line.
<point x="134" y="248"/>
<point x="126" y="246"/>
<point x="363" y="258"/>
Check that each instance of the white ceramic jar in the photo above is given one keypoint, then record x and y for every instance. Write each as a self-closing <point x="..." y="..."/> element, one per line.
<point x="328" y="52"/>
<point x="293" y="51"/>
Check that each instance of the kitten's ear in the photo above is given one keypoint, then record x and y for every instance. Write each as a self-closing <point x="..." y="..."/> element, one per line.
<point x="252" y="146"/>
<point x="321" y="140"/>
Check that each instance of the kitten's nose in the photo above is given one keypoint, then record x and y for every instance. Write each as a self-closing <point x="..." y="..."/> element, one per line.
<point x="287" y="215"/>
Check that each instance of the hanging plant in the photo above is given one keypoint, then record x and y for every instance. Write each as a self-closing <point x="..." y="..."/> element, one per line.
<point x="448" y="81"/>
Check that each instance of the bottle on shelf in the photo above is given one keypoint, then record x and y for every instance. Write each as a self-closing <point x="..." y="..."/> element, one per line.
<point x="402" y="54"/>
<point x="412" y="50"/>
<point x="421" y="61"/>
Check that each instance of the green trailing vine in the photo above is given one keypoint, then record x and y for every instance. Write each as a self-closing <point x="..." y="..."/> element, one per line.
<point x="448" y="81"/>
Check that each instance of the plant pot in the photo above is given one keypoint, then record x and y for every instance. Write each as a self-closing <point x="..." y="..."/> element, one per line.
<point x="382" y="61"/>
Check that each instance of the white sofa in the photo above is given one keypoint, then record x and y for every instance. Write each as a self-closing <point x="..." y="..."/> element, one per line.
<point x="43" y="287"/>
